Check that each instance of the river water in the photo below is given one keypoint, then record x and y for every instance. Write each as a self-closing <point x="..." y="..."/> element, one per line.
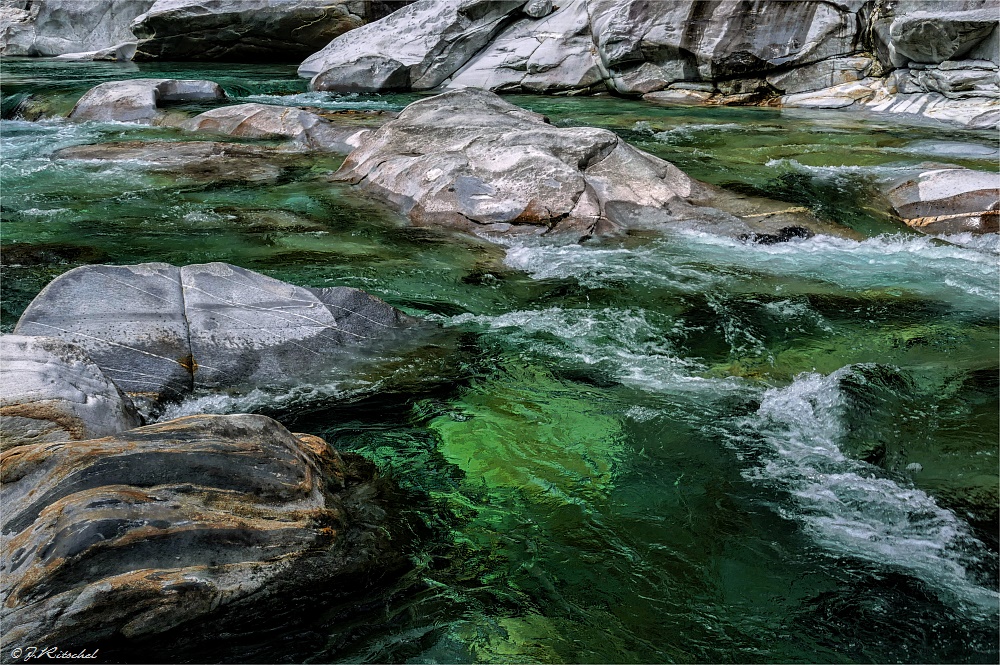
<point x="676" y="448"/>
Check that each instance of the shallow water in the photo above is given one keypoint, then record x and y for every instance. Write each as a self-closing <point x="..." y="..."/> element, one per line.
<point x="673" y="449"/>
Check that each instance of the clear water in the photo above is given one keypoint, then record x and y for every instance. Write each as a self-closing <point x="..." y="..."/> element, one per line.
<point x="659" y="449"/>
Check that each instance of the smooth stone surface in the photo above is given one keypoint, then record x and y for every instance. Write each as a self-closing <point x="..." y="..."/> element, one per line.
<point x="242" y="30"/>
<point x="469" y="160"/>
<point x="417" y="47"/>
<point x="824" y="74"/>
<point x="118" y="53"/>
<point x="936" y="36"/>
<point x="180" y="525"/>
<point x="56" y="27"/>
<point x="137" y="100"/>
<point x="162" y="332"/>
<point x="50" y="390"/>
<point x="949" y="201"/>
<point x="263" y="121"/>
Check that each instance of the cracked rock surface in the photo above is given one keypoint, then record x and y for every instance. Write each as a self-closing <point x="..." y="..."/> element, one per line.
<point x="184" y="525"/>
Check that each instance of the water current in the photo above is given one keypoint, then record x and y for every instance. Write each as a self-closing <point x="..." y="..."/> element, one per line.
<point x="676" y="448"/>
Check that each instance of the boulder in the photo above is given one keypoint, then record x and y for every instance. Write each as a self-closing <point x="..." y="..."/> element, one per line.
<point x="469" y="160"/>
<point x="243" y="30"/>
<point x="935" y="36"/>
<point x="56" y="27"/>
<point x="161" y="332"/>
<point x="953" y="200"/>
<point x="138" y="100"/>
<point x="261" y="121"/>
<point x="823" y="74"/>
<point x="117" y="53"/>
<point x="417" y="47"/>
<point x="51" y="390"/>
<point x="197" y="528"/>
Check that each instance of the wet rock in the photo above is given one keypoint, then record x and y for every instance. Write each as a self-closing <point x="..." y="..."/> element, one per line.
<point x="182" y="525"/>
<point x="784" y="234"/>
<point x="56" y="27"/>
<point x="416" y="47"/>
<point x="161" y="332"/>
<point x="952" y="200"/>
<point x="469" y="160"/>
<point x="204" y="161"/>
<point x="242" y="30"/>
<point x="262" y="121"/>
<point x="51" y="390"/>
<point x="117" y="53"/>
<point x="137" y="100"/>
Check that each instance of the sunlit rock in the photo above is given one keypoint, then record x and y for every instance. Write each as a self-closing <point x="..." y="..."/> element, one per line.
<point x="138" y="100"/>
<point x="951" y="200"/>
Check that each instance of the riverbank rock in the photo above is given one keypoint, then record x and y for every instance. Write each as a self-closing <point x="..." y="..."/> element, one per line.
<point x="181" y="527"/>
<point x="951" y="200"/>
<point x="138" y="100"/>
<point x="263" y="121"/>
<point x="51" y="390"/>
<point x="468" y="159"/>
<point x="161" y="332"/>
<point x="57" y="27"/>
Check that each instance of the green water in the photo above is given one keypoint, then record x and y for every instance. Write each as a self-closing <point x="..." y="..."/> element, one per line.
<point x="658" y="449"/>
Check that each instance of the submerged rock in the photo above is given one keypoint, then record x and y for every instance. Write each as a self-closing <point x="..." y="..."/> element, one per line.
<point x="263" y="121"/>
<point x="243" y="30"/>
<point x="51" y="390"/>
<point x="161" y="332"/>
<point x="952" y="200"/>
<point x="184" y="525"/>
<point x="470" y="160"/>
<point x="138" y="100"/>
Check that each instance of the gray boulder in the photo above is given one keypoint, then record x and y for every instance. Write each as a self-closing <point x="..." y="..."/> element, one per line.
<point x="243" y="30"/>
<point x="930" y="31"/>
<point x="51" y="390"/>
<point x="417" y="47"/>
<point x="138" y="100"/>
<point x="201" y="525"/>
<point x="950" y="200"/>
<point x="261" y="121"/>
<point x="161" y="332"/>
<point x="56" y="27"/>
<point x="469" y="160"/>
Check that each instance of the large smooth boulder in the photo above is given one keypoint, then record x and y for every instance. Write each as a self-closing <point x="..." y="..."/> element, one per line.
<point x="56" y="27"/>
<point x="930" y="31"/>
<point x="161" y="332"/>
<point x="138" y="100"/>
<point x="468" y="159"/>
<point x="417" y="47"/>
<point x="51" y="390"/>
<point x="197" y="528"/>
<point x="951" y="200"/>
<point x="244" y="30"/>
<point x="264" y="121"/>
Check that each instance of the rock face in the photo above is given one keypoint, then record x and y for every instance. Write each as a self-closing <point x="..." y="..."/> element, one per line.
<point x="808" y="53"/>
<point x="470" y="160"/>
<point x="242" y="30"/>
<point x="260" y="121"/>
<point x="949" y="201"/>
<point x="51" y="390"/>
<point x="138" y="100"/>
<point x="180" y="526"/>
<point x="55" y="27"/>
<point x="161" y="332"/>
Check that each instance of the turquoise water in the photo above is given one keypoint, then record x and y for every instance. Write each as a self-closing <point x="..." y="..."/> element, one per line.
<point x="657" y="449"/>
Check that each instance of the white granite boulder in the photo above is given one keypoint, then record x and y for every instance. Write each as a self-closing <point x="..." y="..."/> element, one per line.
<point x="952" y="200"/>
<point x="57" y="27"/>
<point x="138" y="100"/>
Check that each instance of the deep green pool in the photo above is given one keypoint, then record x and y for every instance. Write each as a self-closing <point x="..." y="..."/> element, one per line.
<point x="675" y="449"/>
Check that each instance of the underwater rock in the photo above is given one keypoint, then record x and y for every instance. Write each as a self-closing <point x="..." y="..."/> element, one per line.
<point x="262" y="121"/>
<point x="51" y="390"/>
<point x="244" y="30"/>
<point x="137" y="100"/>
<point x="161" y="332"/>
<point x="183" y="525"/>
<point x="952" y="200"/>
<point x="469" y="160"/>
<point x="56" y="27"/>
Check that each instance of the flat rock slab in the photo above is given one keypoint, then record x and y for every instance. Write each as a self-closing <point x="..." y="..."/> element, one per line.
<point x="176" y="526"/>
<point x="138" y="100"/>
<point x="950" y="200"/>
<point x="50" y="390"/>
<point x="161" y="332"/>
<point x="470" y="160"/>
